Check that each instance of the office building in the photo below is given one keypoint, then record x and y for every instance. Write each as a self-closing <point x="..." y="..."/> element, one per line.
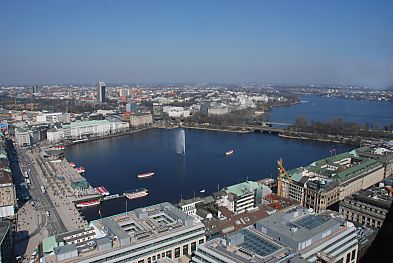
<point x="368" y="207"/>
<point x="101" y="91"/>
<point x="316" y="237"/>
<point x="85" y="129"/>
<point x="56" y="117"/>
<point x="7" y="194"/>
<point x="132" y="107"/>
<point x="243" y="196"/>
<point x="247" y="245"/>
<point x="23" y="136"/>
<point x="34" y="89"/>
<point x="6" y="242"/>
<point x="158" y="111"/>
<point x="141" y="119"/>
<point x="327" y="181"/>
<point x="142" y="235"/>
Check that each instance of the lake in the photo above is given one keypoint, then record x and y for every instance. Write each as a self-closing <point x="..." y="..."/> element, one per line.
<point x="116" y="162"/>
<point x="317" y="108"/>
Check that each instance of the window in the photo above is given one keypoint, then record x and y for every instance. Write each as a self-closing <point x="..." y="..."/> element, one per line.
<point x="348" y="257"/>
<point x="148" y="260"/>
<point x="193" y="247"/>
<point x="353" y="254"/>
<point x="154" y="257"/>
<point x="177" y="252"/>
<point x="158" y="256"/>
<point x="200" y="241"/>
<point x="141" y="261"/>
<point x="169" y="254"/>
<point x="185" y="250"/>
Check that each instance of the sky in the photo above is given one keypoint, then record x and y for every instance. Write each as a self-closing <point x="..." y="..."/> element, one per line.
<point x="279" y="42"/>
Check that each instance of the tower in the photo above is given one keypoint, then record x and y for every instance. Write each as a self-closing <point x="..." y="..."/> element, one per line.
<point x="101" y="91"/>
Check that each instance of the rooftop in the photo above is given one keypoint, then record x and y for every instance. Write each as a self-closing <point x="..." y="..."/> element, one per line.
<point x="299" y="224"/>
<point x="248" y="245"/>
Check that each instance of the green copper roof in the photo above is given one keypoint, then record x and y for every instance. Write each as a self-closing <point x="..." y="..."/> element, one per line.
<point x="356" y="170"/>
<point x="242" y="188"/>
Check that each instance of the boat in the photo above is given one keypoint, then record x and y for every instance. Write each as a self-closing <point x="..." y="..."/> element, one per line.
<point x="72" y="164"/>
<point x="111" y="197"/>
<point x="88" y="203"/>
<point x="80" y="170"/>
<point x="145" y="175"/>
<point x="103" y="190"/>
<point x="202" y="191"/>
<point x="137" y="193"/>
<point x="230" y="152"/>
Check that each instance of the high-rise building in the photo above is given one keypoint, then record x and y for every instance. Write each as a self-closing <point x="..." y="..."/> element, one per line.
<point x="101" y="91"/>
<point x="34" y="89"/>
<point x="132" y="107"/>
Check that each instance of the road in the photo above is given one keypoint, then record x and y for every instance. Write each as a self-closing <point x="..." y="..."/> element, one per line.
<point x="53" y="223"/>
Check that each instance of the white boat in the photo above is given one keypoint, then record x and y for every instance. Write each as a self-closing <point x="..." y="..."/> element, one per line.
<point x="137" y="193"/>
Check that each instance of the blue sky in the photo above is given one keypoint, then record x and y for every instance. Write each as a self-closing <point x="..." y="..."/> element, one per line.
<point x="298" y="42"/>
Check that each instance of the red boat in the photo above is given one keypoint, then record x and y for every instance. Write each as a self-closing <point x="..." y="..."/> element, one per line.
<point x="230" y="152"/>
<point x="72" y="164"/>
<point x="145" y="175"/>
<point x="88" y="203"/>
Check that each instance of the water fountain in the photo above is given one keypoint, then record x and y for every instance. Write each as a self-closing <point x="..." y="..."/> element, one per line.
<point x="181" y="142"/>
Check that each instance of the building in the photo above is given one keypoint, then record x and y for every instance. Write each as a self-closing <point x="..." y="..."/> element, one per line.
<point x="85" y="129"/>
<point x="101" y="91"/>
<point x="34" y="89"/>
<point x="188" y="206"/>
<point x="244" y="196"/>
<point x="56" y="117"/>
<point x="323" y="237"/>
<point x="247" y="245"/>
<point x="368" y="207"/>
<point x="142" y="235"/>
<point x="7" y="194"/>
<point x="327" y="181"/>
<point x="176" y="112"/>
<point x="382" y="152"/>
<point x="141" y="119"/>
<point x="158" y="111"/>
<point x="23" y="136"/>
<point x="6" y="242"/>
<point x="132" y="107"/>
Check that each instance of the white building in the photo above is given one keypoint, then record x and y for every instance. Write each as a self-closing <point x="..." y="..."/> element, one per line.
<point x="176" y="112"/>
<point x="316" y="237"/>
<point x="188" y="206"/>
<point x="85" y="129"/>
<point x="57" y="117"/>
<point x="23" y="136"/>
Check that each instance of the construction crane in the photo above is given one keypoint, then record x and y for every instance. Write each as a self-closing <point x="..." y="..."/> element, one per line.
<point x="282" y="172"/>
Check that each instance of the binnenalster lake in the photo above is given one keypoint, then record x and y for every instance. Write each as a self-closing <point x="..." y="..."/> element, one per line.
<point x="116" y="162"/>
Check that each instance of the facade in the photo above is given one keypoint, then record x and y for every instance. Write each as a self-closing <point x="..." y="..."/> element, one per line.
<point x="101" y="96"/>
<point x="6" y="242"/>
<point x="176" y="112"/>
<point x="188" y="206"/>
<point x="86" y="129"/>
<point x="139" y="120"/>
<point x="132" y="107"/>
<point x="247" y="245"/>
<point x="327" y="181"/>
<point x="158" y="111"/>
<point x="142" y="235"/>
<point x="57" y="117"/>
<point x="316" y="237"/>
<point x="34" y="89"/>
<point x="242" y="197"/>
<point x="368" y="207"/>
<point x="23" y="136"/>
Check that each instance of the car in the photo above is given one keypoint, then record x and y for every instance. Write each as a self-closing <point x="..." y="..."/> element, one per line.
<point x="47" y="213"/>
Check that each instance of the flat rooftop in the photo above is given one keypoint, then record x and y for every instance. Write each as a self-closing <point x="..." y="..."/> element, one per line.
<point x="300" y="224"/>
<point x="249" y="245"/>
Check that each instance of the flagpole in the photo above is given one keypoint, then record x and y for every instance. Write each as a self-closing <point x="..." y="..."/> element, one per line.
<point x="126" y="207"/>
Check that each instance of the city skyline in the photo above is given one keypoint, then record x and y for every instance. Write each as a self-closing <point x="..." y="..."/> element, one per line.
<point x="174" y="42"/>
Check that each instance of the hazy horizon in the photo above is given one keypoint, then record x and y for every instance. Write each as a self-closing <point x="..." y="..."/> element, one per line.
<point x="280" y="42"/>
